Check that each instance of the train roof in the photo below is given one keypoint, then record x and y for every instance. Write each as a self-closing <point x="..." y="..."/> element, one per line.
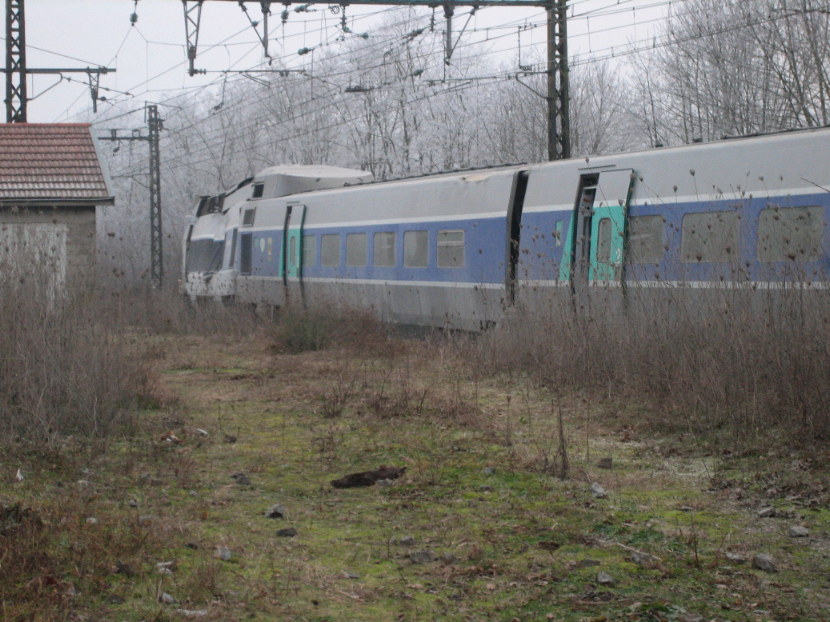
<point x="283" y="180"/>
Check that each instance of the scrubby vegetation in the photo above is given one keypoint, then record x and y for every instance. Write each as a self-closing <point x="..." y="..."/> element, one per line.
<point x="747" y="368"/>
<point x="555" y="468"/>
<point x="65" y="368"/>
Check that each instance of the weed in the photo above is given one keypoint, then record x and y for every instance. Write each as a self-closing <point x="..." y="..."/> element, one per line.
<point x="736" y="365"/>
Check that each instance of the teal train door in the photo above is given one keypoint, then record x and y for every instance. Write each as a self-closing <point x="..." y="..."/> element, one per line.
<point x="596" y="237"/>
<point x="608" y="226"/>
<point x="292" y="247"/>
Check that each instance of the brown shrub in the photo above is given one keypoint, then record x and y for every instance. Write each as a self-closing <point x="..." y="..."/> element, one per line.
<point x="754" y="364"/>
<point x="65" y="363"/>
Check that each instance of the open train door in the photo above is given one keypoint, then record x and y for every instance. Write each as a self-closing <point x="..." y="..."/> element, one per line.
<point x="597" y="234"/>
<point x="608" y="226"/>
<point x="292" y="251"/>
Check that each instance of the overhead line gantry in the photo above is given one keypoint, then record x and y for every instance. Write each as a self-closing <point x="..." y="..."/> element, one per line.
<point x="16" y="70"/>
<point x="557" y="71"/>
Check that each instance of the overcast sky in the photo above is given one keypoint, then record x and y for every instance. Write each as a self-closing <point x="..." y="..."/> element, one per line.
<point x="151" y="62"/>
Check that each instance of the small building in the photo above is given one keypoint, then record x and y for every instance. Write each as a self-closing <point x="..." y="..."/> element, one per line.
<point x="51" y="181"/>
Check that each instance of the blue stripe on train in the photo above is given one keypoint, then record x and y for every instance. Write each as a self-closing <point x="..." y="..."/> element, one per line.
<point x="484" y="253"/>
<point x="543" y="245"/>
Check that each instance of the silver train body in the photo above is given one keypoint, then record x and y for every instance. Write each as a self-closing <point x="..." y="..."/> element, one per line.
<point x="458" y="249"/>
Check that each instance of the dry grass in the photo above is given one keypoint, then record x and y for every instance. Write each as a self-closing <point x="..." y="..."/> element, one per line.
<point x="65" y="367"/>
<point x="510" y="540"/>
<point x="754" y="365"/>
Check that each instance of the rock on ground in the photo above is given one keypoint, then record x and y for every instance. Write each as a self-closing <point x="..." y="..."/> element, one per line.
<point x="764" y="562"/>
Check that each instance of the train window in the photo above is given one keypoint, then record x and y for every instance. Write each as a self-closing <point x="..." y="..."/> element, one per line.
<point x="710" y="237"/>
<point x="451" y="249"/>
<point x="415" y="247"/>
<point x="205" y="255"/>
<point x="330" y="249"/>
<point x="256" y="193"/>
<point x="233" y="249"/>
<point x="384" y="247"/>
<point x="356" y="250"/>
<point x="604" y="241"/>
<point x="203" y="204"/>
<point x="790" y="233"/>
<point x="646" y="239"/>
<point x="309" y="250"/>
<point x="248" y="217"/>
<point x="292" y="251"/>
<point x="557" y="232"/>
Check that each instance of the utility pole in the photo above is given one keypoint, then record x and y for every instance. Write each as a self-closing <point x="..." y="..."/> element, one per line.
<point x="15" y="62"/>
<point x="559" y="131"/>
<point x="154" y="125"/>
<point x="156" y="257"/>
<point x="16" y="71"/>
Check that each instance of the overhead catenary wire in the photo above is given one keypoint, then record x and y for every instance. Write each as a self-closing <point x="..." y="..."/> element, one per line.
<point x="640" y="46"/>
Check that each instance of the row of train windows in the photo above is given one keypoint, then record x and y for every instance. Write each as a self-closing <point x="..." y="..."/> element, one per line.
<point x="784" y="234"/>
<point x="449" y="249"/>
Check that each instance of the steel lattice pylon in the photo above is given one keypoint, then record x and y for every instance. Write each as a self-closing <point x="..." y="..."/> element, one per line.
<point x="156" y="260"/>
<point x="16" y="96"/>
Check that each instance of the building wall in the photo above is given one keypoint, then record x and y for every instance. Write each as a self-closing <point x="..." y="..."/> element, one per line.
<point x="56" y="244"/>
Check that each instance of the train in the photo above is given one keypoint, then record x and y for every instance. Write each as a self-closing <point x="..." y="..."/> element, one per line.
<point x="460" y="249"/>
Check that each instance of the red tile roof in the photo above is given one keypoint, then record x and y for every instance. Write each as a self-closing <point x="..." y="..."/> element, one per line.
<point x="50" y="163"/>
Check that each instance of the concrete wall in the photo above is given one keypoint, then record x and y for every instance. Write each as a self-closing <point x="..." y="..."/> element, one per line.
<point x="57" y="243"/>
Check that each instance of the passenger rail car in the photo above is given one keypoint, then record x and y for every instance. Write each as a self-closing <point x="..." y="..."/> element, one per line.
<point x="455" y="249"/>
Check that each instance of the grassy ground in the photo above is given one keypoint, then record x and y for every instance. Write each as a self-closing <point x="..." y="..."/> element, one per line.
<point x="480" y="526"/>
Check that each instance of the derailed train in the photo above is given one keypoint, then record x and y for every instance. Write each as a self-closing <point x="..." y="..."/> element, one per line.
<point x="457" y="249"/>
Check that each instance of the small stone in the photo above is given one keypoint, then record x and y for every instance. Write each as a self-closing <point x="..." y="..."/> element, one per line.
<point x="598" y="491"/>
<point x="165" y="568"/>
<point x="489" y="470"/>
<point x="91" y="520"/>
<point x="766" y="512"/>
<point x="132" y="503"/>
<point x="735" y="558"/>
<point x="275" y="511"/>
<point x="606" y="463"/>
<point x="201" y="432"/>
<point x="798" y="531"/>
<point x="167" y="599"/>
<point x="241" y="478"/>
<point x="83" y="483"/>
<point x="351" y="575"/>
<point x="421" y="557"/>
<point x="407" y="540"/>
<point x="685" y="508"/>
<point x="192" y="613"/>
<point x="384" y="482"/>
<point x="288" y="532"/>
<point x="145" y="518"/>
<point x="764" y="562"/>
<point x="603" y="578"/>
<point x="193" y="493"/>
<point x="223" y="553"/>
